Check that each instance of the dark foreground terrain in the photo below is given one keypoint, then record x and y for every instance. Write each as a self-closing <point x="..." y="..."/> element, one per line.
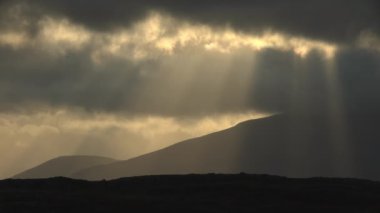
<point x="191" y="193"/>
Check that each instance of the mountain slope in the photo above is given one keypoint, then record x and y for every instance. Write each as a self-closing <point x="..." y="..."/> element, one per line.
<point x="63" y="166"/>
<point x="281" y="145"/>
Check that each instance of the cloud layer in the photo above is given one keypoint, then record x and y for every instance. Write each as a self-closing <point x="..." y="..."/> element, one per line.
<point x="178" y="62"/>
<point x="163" y="65"/>
<point x="336" y="20"/>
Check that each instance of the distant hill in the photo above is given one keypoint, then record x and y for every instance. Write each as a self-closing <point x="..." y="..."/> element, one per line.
<point x="191" y="193"/>
<point x="282" y="145"/>
<point x="63" y="166"/>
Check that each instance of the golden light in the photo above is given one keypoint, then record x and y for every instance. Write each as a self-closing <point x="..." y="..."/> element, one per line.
<point x="67" y="132"/>
<point x="13" y="39"/>
<point x="187" y="53"/>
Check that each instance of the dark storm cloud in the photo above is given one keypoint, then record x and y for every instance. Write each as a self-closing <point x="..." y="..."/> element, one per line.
<point x="283" y="82"/>
<point x="66" y="81"/>
<point x="359" y="73"/>
<point x="118" y="85"/>
<point x="278" y="80"/>
<point x="333" y="20"/>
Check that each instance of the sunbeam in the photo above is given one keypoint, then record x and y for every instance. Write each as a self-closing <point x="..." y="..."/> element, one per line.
<point x="123" y="81"/>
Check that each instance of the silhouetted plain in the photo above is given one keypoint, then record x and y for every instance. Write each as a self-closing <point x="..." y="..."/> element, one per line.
<point x="191" y="193"/>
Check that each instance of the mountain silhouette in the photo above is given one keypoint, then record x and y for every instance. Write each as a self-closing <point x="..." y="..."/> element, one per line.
<point x="63" y="166"/>
<point x="293" y="146"/>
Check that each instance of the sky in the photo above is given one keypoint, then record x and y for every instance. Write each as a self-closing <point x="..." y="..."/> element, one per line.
<point x="121" y="78"/>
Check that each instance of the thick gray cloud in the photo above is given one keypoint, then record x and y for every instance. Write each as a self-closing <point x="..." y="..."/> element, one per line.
<point x="56" y="63"/>
<point x="333" y="20"/>
<point x="359" y="73"/>
<point x="277" y="81"/>
<point x="286" y="83"/>
<point x="148" y="87"/>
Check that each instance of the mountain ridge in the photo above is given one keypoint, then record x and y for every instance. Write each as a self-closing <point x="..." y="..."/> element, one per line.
<point x="303" y="146"/>
<point x="282" y="144"/>
<point x="63" y="166"/>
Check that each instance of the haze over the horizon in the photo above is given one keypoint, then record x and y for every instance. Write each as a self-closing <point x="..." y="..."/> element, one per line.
<point x="122" y="78"/>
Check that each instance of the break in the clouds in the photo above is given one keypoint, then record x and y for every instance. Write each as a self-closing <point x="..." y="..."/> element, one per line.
<point x="115" y="66"/>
